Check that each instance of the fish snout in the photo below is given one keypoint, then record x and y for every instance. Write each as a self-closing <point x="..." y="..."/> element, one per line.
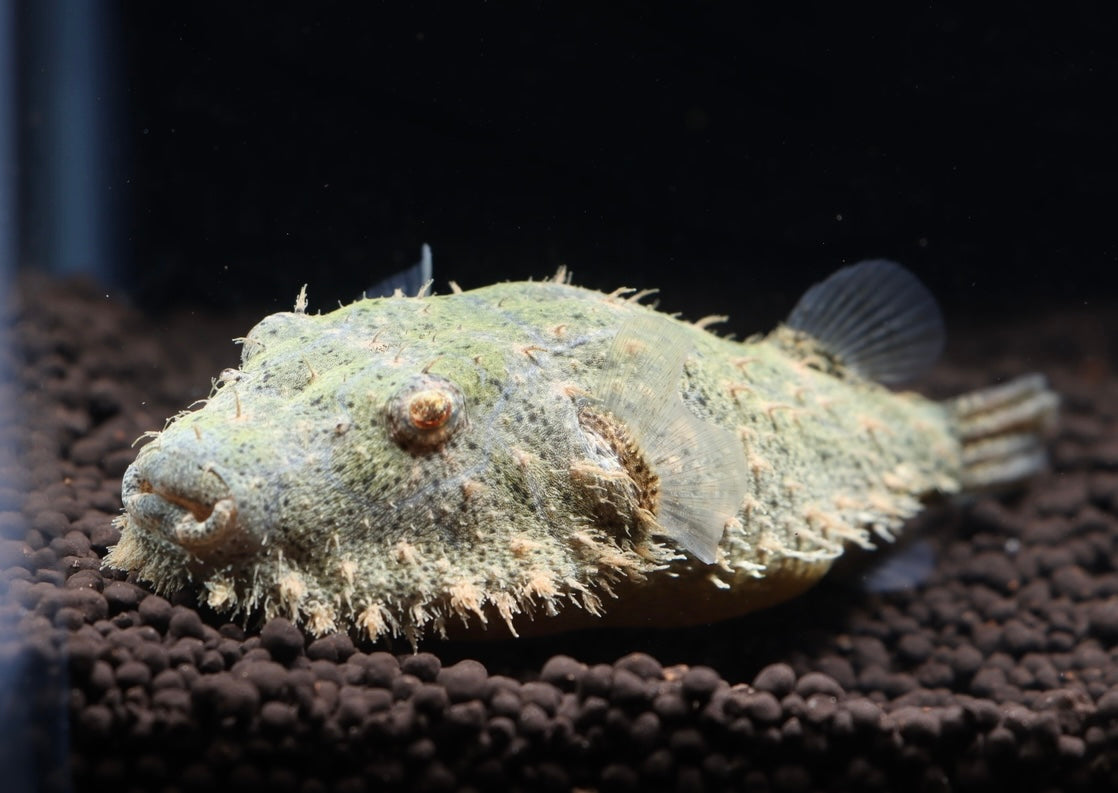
<point x="184" y="502"/>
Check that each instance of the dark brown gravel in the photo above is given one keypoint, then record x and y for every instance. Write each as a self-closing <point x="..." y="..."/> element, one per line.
<point x="998" y="673"/>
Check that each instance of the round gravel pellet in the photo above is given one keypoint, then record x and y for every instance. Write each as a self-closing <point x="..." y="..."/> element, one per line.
<point x="282" y="640"/>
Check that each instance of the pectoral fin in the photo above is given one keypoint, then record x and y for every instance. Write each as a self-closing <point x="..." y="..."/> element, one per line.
<point x="700" y="465"/>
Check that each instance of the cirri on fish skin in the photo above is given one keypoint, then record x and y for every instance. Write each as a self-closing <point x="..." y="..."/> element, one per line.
<point x="530" y="457"/>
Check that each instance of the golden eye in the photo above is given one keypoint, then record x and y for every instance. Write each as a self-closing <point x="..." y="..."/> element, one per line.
<point x="430" y="409"/>
<point x="425" y="413"/>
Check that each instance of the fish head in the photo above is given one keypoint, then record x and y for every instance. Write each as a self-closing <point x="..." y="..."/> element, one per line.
<point x="323" y="424"/>
<point x="367" y="466"/>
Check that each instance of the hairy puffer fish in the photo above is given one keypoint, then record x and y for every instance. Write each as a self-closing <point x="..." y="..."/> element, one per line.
<point x="531" y="457"/>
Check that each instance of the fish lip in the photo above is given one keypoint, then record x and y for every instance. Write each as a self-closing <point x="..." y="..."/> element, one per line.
<point x="196" y="523"/>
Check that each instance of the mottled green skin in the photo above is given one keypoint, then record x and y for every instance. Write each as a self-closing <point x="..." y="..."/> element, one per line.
<point x="338" y="526"/>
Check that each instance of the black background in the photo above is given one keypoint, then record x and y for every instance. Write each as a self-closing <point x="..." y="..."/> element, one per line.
<point x="729" y="153"/>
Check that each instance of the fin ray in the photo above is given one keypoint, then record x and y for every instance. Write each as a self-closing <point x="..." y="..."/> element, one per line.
<point x="1002" y="430"/>
<point x="877" y="317"/>
<point x="700" y="465"/>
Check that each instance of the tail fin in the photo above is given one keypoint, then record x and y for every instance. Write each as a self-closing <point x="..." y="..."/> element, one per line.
<point x="1001" y="430"/>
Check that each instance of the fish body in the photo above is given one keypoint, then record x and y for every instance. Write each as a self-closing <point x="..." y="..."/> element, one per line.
<point x="536" y="456"/>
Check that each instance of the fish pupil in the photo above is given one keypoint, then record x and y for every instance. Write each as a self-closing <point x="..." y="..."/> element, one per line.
<point x="425" y="413"/>
<point x="429" y="409"/>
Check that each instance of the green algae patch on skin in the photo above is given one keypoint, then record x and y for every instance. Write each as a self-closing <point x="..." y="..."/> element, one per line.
<point x="532" y="457"/>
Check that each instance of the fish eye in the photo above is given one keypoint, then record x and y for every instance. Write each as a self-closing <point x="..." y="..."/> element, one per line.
<point x="430" y="409"/>
<point x="425" y="413"/>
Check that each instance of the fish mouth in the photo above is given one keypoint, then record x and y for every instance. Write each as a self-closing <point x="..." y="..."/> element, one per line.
<point x="196" y="518"/>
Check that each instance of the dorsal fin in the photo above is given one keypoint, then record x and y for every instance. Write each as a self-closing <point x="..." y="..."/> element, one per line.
<point x="411" y="281"/>
<point x="876" y="317"/>
<point x="700" y="465"/>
